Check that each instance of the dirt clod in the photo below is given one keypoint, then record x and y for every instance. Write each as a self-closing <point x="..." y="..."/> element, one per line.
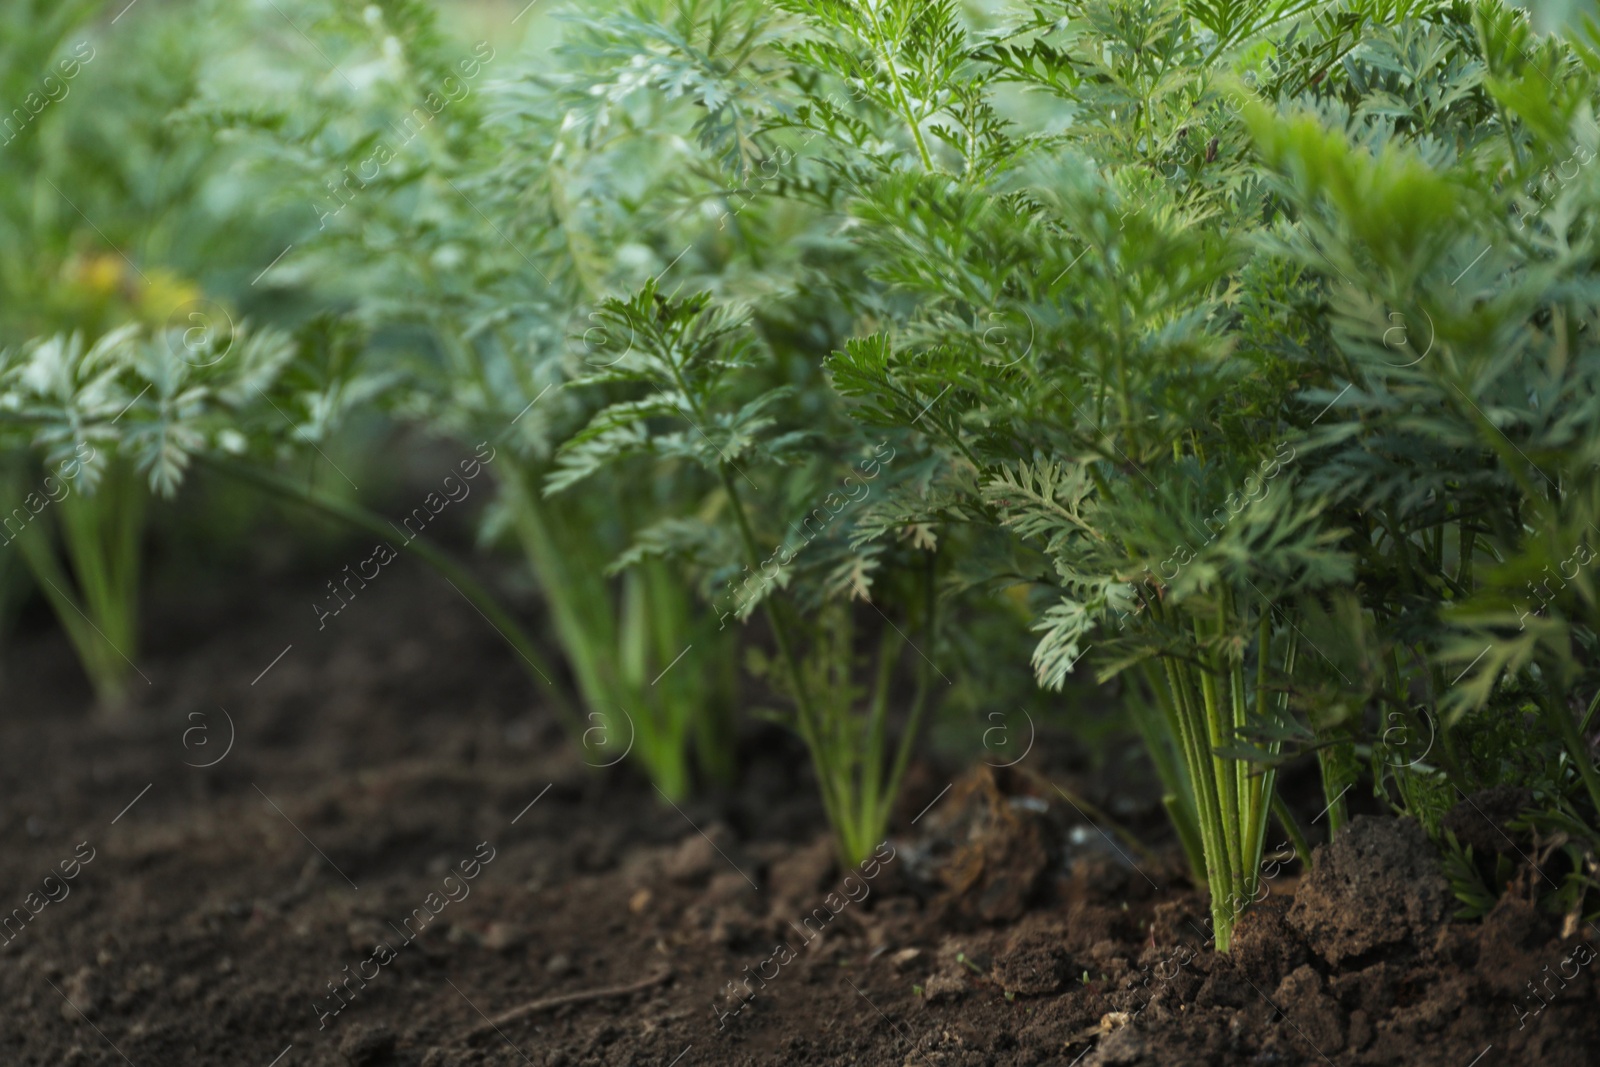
<point x="944" y="988"/>
<point x="1303" y="996"/>
<point x="1002" y="852"/>
<point x="692" y="861"/>
<point x="368" y="1047"/>
<point x="1265" y="947"/>
<point x="1375" y="885"/>
<point x="802" y="874"/>
<point x="1034" y="967"/>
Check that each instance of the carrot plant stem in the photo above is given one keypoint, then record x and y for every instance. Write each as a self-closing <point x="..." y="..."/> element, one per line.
<point x="919" y="699"/>
<point x="809" y="724"/>
<point x="1588" y="716"/>
<point x="1297" y="836"/>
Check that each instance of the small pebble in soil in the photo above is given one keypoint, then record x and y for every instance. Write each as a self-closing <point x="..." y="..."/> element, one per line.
<point x="559" y="964"/>
<point x="905" y="958"/>
<point x="502" y="935"/>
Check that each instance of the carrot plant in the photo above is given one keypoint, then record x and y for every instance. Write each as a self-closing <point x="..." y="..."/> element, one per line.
<point x="731" y="403"/>
<point x="1456" y="294"/>
<point x="103" y="309"/>
<point x="111" y="423"/>
<point x="1115" y="435"/>
<point x="701" y="403"/>
<point x="416" y="211"/>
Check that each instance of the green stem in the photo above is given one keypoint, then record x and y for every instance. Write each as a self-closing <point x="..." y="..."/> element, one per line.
<point x="101" y="662"/>
<point x="1221" y="773"/>
<point x="1190" y="723"/>
<point x="780" y="630"/>
<point x="98" y="605"/>
<point x="1296" y="835"/>
<point x="807" y="722"/>
<point x="1330" y="763"/>
<point x="919" y="700"/>
<point x="1188" y="834"/>
<point x="903" y="101"/>
<point x="872" y="783"/>
<point x="1588" y="716"/>
<point x="1262" y="792"/>
<point x="1161" y="732"/>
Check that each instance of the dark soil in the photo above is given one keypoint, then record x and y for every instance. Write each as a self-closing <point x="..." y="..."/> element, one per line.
<point x="380" y="784"/>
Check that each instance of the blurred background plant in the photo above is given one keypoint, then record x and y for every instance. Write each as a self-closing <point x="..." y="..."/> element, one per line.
<point x="125" y="247"/>
<point x="111" y="422"/>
